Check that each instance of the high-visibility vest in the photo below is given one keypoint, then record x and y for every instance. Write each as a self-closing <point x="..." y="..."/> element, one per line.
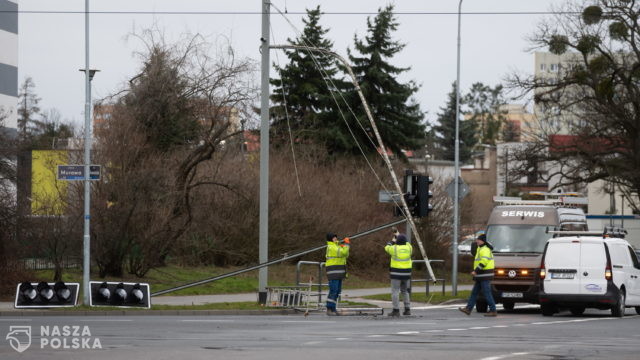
<point x="400" y="266"/>
<point x="336" y="260"/>
<point x="483" y="264"/>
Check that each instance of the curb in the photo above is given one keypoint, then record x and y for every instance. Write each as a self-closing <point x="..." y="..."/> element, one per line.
<point x="28" y="313"/>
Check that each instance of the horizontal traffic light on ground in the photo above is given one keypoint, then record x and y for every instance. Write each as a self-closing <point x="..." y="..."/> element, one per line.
<point x="46" y="295"/>
<point x="120" y="294"/>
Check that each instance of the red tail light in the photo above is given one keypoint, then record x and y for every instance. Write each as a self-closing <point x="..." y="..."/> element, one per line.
<point x="543" y="271"/>
<point x="607" y="270"/>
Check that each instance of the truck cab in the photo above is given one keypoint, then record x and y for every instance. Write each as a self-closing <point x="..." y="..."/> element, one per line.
<point x="518" y="231"/>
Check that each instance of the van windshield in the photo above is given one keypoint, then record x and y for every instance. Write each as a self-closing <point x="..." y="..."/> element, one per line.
<point x="517" y="238"/>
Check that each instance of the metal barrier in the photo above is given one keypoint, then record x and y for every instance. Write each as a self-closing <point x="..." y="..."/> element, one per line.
<point x="319" y="284"/>
<point x="288" y="296"/>
<point x="427" y="280"/>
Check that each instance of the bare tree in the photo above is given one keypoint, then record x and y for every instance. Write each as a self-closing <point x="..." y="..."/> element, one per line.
<point x="595" y="97"/>
<point x="168" y="123"/>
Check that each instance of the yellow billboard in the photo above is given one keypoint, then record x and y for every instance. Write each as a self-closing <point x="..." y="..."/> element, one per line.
<point x="48" y="195"/>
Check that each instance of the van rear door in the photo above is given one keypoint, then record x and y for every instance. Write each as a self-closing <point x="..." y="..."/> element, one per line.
<point x="593" y="261"/>
<point x="562" y="261"/>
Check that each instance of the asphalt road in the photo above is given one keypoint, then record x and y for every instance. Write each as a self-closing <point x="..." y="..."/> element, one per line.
<point x="433" y="333"/>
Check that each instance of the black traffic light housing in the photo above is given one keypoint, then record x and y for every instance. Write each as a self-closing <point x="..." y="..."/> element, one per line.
<point x="417" y="194"/>
<point x="423" y="196"/>
<point x="46" y="295"/>
<point x="120" y="294"/>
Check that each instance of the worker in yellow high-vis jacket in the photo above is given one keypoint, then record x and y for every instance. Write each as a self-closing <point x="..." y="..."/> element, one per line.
<point x="483" y="271"/>
<point x="336" y="267"/>
<point x="400" y="273"/>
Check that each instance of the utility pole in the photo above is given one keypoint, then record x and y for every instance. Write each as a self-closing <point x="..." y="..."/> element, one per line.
<point x="86" y="260"/>
<point x="456" y="176"/>
<point x="263" y="256"/>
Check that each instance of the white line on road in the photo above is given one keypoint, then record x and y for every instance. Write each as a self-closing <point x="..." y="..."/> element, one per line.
<point x="407" y="332"/>
<point x="505" y="356"/>
<point x="500" y="326"/>
<point x="375" y="336"/>
<point x="457" y="329"/>
<point x="312" y="342"/>
<point x="307" y="321"/>
<point x="105" y="320"/>
<point x="433" y="331"/>
<point x="207" y="320"/>
<point x="15" y="320"/>
<point x="341" y="339"/>
<point x="479" y="327"/>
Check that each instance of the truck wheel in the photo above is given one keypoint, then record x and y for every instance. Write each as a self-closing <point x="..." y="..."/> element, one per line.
<point x="548" y="309"/>
<point x="481" y="306"/>
<point x="509" y="306"/>
<point x="618" y="309"/>
<point x="577" y="310"/>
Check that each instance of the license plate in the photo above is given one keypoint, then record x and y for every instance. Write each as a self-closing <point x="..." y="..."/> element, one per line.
<point x="563" y="275"/>
<point x="512" y="295"/>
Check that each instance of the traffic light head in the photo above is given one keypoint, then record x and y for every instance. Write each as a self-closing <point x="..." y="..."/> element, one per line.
<point x="46" y="295"/>
<point x="423" y="196"/>
<point x="120" y="294"/>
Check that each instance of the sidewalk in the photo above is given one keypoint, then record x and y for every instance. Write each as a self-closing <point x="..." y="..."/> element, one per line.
<point x="347" y="294"/>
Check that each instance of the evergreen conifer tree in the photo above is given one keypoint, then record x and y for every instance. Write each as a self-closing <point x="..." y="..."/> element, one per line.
<point x="305" y="86"/>
<point x="446" y="131"/>
<point x="397" y="115"/>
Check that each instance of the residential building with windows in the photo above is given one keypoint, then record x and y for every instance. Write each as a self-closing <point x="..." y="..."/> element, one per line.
<point x="9" y="61"/>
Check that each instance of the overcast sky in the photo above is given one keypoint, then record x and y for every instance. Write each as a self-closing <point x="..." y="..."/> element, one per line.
<point x="51" y="45"/>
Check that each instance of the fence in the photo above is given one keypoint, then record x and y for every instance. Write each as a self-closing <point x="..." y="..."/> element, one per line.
<point x="46" y="264"/>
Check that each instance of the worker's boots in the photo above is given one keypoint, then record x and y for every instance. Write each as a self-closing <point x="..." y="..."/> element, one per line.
<point x="406" y="312"/>
<point x="395" y="313"/>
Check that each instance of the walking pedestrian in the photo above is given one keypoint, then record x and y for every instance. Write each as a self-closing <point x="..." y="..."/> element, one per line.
<point x="483" y="271"/>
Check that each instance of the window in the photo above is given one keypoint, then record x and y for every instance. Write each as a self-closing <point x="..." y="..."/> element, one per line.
<point x="634" y="258"/>
<point x="554" y="67"/>
<point x="543" y="67"/>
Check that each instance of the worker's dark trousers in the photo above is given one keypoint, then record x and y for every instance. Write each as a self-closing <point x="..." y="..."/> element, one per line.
<point x="335" y="287"/>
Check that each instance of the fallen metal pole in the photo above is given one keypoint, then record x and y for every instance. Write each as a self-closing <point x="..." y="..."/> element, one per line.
<point x="272" y="262"/>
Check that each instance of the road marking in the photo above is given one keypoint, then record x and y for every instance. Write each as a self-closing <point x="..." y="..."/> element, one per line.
<point x="308" y="321"/>
<point x="479" y="327"/>
<point x="519" y="324"/>
<point x="433" y="331"/>
<point x="407" y="332"/>
<point x="500" y="326"/>
<point x="505" y="356"/>
<point x="15" y="320"/>
<point x="375" y="336"/>
<point x="105" y="320"/>
<point x="313" y="342"/>
<point x="456" y="329"/>
<point x="206" y="320"/>
<point x="341" y="339"/>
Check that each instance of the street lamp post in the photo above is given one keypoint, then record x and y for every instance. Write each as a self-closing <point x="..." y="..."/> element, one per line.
<point x="88" y="75"/>
<point x="456" y="176"/>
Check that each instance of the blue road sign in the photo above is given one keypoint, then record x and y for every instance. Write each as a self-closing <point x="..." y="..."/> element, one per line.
<point x="76" y="172"/>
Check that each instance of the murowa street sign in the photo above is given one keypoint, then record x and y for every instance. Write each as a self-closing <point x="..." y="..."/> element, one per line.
<point x="76" y="172"/>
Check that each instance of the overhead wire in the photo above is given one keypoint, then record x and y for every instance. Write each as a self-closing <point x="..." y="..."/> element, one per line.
<point x="358" y="13"/>
<point x="332" y="92"/>
<point x="286" y="112"/>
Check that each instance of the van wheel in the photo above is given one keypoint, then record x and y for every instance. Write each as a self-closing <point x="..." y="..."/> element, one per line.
<point x="509" y="306"/>
<point x="481" y="306"/>
<point x="548" y="309"/>
<point x="577" y="310"/>
<point x="618" y="309"/>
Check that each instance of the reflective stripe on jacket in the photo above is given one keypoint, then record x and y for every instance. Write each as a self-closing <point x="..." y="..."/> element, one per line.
<point x="401" y="264"/>
<point x="336" y="260"/>
<point x="483" y="264"/>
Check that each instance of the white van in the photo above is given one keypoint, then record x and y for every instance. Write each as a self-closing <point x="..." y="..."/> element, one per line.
<point x="587" y="271"/>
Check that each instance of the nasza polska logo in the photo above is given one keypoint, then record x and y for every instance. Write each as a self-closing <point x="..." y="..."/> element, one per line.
<point x="19" y="337"/>
<point x="55" y="337"/>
